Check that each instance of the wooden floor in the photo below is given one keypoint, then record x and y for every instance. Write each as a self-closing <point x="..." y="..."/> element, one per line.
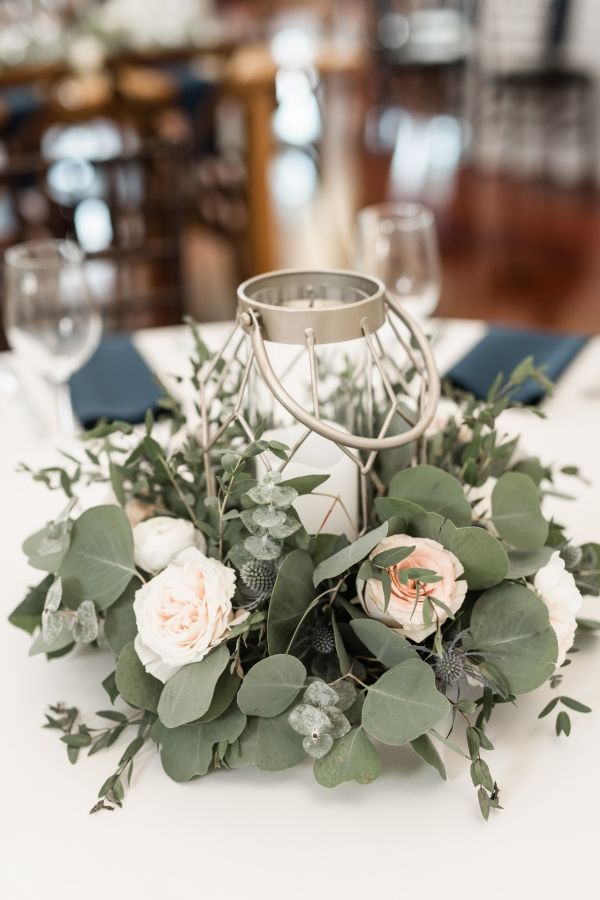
<point x="520" y="252"/>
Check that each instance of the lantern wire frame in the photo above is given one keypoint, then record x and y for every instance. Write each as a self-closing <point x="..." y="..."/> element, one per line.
<point x="236" y="384"/>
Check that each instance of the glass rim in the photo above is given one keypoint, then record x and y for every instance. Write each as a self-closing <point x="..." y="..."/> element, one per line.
<point x="403" y="212"/>
<point x="55" y="253"/>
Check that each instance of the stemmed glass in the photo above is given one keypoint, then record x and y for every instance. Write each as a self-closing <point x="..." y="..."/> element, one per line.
<point x="397" y="242"/>
<point x="49" y="317"/>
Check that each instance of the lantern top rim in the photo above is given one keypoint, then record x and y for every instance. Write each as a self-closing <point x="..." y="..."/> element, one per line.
<point x="332" y="305"/>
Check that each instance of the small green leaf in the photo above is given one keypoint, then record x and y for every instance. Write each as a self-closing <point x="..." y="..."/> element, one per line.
<point x="392" y="557"/>
<point x="516" y="512"/>
<point x="434" y="490"/>
<point x="99" y="564"/>
<point x="389" y="647"/>
<point x="353" y="758"/>
<point x="269" y="744"/>
<point x="404" y="703"/>
<point x="575" y="705"/>
<point x="119" y="625"/>
<point x="511" y="623"/>
<point x="563" y="724"/>
<point x="133" y="683"/>
<point x="480" y="774"/>
<point x="271" y="685"/>
<point x="292" y="595"/>
<point x="347" y="557"/>
<point x="548" y="708"/>
<point x="188" y="694"/>
<point x="424" y="747"/>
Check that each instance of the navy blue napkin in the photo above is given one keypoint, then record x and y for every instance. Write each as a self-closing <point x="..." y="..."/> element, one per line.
<point x="504" y="348"/>
<point x="115" y="383"/>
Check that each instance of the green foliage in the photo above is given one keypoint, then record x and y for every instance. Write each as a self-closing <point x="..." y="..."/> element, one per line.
<point x="511" y="624"/>
<point x="403" y="704"/>
<point x="269" y="744"/>
<point x="528" y="562"/>
<point x="28" y="614"/>
<point x="271" y="685"/>
<point x="99" y="564"/>
<point x="349" y="556"/>
<point x="389" y="647"/>
<point x="188" y="751"/>
<point x="292" y="594"/>
<point x="119" y="625"/>
<point x="516" y="512"/>
<point x="434" y="491"/>
<point x="188" y="694"/>
<point x="424" y="747"/>
<point x="352" y="758"/>
<point x="133" y="682"/>
<point x="46" y="548"/>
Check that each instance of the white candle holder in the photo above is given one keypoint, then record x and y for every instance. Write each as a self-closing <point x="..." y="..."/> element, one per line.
<point x="291" y="318"/>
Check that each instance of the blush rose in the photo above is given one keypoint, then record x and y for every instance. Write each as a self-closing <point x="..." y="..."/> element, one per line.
<point x="405" y="609"/>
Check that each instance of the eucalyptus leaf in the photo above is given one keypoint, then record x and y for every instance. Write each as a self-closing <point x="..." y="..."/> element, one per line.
<point x="225" y="690"/>
<point x="510" y="622"/>
<point x="516" y="512"/>
<point x="85" y="628"/>
<point x="319" y="693"/>
<point x="61" y="641"/>
<point x="292" y="594"/>
<point x="99" y="562"/>
<point x="347" y="557"/>
<point x="306" y="719"/>
<point x="28" y="614"/>
<point x="187" y="751"/>
<point x="269" y="744"/>
<point x="188" y="694"/>
<point x="404" y="703"/>
<point x="353" y="758"/>
<point x="271" y="685"/>
<point x="119" y="625"/>
<point x="424" y="747"/>
<point x="46" y="548"/>
<point x="317" y="745"/>
<point x="54" y="596"/>
<point x="389" y="647"/>
<point x="529" y="562"/>
<point x="434" y="490"/>
<point x="305" y="484"/>
<point x="134" y="684"/>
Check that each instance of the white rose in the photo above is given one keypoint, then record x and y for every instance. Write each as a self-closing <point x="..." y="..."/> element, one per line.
<point x="559" y="592"/>
<point x="405" y="609"/>
<point x="184" y="612"/>
<point x="157" y="541"/>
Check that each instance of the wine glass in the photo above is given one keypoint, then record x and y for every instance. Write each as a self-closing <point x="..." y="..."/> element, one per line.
<point x="397" y="242"/>
<point x="49" y="318"/>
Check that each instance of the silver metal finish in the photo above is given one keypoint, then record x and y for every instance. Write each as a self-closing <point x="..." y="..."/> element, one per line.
<point x="333" y="304"/>
<point x="393" y="373"/>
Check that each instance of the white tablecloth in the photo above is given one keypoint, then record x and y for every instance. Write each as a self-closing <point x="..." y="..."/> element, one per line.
<point x="248" y="834"/>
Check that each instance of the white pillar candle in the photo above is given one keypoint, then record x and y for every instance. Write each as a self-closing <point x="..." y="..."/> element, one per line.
<point x="334" y="509"/>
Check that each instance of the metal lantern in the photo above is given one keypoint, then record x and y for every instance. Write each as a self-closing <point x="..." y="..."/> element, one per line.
<point x="293" y="328"/>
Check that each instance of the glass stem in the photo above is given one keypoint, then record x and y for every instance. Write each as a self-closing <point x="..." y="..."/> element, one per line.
<point x="65" y="416"/>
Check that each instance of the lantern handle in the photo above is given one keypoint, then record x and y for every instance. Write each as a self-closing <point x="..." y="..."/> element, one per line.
<point x="249" y="320"/>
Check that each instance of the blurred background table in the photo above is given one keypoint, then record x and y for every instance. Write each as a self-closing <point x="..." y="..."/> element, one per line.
<point x="189" y="145"/>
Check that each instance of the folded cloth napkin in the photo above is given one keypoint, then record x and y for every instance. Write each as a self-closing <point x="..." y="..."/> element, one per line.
<point x="115" y="383"/>
<point x="504" y="348"/>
